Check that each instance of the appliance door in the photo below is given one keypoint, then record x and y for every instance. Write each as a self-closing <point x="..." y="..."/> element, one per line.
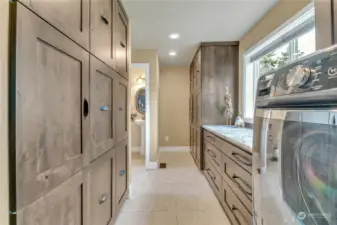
<point x="295" y="167"/>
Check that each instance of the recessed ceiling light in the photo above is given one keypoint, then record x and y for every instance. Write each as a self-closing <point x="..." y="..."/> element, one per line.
<point x="172" y="53"/>
<point x="174" y="36"/>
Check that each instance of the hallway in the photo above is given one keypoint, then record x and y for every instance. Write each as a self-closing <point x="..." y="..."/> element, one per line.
<point x="177" y="195"/>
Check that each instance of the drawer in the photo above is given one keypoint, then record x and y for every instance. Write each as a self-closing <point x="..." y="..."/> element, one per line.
<point x="121" y="170"/>
<point x="213" y="176"/>
<point x="214" y="155"/>
<point x="121" y="41"/>
<point x="239" y="156"/>
<point x="211" y="138"/>
<point x="101" y="31"/>
<point x="235" y="210"/>
<point x="98" y="190"/>
<point x="239" y="180"/>
<point x="71" y="17"/>
<point x="62" y="205"/>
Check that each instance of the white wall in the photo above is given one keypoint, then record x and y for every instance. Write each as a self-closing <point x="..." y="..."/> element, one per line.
<point x="4" y="10"/>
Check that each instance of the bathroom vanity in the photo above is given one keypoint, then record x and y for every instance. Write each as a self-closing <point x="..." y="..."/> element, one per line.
<point x="227" y="162"/>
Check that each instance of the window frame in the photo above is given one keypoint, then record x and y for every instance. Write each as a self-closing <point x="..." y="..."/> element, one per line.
<point x="271" y="42"/>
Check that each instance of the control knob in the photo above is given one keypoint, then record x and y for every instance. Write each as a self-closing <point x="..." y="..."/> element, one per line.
<point x="298" y="76"/>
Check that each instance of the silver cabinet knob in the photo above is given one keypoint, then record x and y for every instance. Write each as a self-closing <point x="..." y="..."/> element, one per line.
<point x="104" y="108"/>
<point x="103" y="199"/>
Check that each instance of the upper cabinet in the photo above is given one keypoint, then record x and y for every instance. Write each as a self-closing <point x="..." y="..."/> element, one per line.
<point x="70" y="17"/>
<point x="121" y="41"/>
<point x="102" y="25"/>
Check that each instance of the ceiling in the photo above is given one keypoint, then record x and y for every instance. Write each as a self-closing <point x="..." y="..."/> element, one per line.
<point x="195" y="20"/>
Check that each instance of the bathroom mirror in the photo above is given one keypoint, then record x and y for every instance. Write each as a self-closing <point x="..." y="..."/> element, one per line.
<point x="140" y="100"/>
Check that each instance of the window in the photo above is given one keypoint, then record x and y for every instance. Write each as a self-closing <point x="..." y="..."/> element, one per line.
<point x="290" y="42"/>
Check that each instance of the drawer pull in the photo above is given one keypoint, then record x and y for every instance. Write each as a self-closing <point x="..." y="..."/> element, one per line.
<point x="242" y="159"/>
<point x="210" y="173"/>
<point x="104" y="108"/>
<point x="104" y="19"/>
<point x="85" y="108"/>
<point x="234" y="210"/>
<point x="235" y="178"/>
<point x="210" y="137"/>
<point x="122" y="44"/>
<point x="122" y="173"/>
<point x="103" y="199"/>
<point x="121" y="108"/>
<point x="213" y="155"/>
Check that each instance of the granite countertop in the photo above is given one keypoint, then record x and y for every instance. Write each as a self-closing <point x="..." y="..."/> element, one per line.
<point x="241" y="137"/>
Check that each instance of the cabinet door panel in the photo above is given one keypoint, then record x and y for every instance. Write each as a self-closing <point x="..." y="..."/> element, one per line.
<point x="121" y="40"/>
<point x="71" y="17"/>
<point x="197" y="108"/>
<point x="197" y="71"/>
<point x="63" y="205"/>
<point x="121" y="170"/>
<point x="101" y="31"/>
<point x="121" y="114"/>
<point x="99" y="190"/>
<point x="52" y="125"/>
<point x="102" y="107"/>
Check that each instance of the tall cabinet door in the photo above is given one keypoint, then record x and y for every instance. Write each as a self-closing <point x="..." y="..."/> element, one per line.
<point x="101" y="31"/>
<point x="197" y="108"/>
<point x="102" y="80"/>
<point x="51" y="95"/>
<point x="71" y="17"/>
<point x="121" y="40"/>
<point x="99" y="190"/>
<point x="121" y="174"/>
<point x="121" y="108"/>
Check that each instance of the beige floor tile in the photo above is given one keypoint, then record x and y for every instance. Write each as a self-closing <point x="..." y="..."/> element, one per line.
<point x="131" y="218"/>
<point x="202" y="218"/>
<point x="162" y="218"/>
<point x="148" y="203"/>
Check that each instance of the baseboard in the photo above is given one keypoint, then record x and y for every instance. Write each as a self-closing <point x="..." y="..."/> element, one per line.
<point x="152" y="166"/>
<point x="135" y="149"/>
<point x="174" y="148"/>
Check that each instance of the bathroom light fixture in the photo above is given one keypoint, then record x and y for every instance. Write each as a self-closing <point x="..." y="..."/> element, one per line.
<point x="172" y="53"/>
<point x="140" y="80"/>
<point x="174" y="36"/>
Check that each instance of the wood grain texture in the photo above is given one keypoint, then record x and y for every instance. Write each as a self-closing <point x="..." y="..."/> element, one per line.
<point x="102" y="99"/>
<point x="52" y="81"/>
<point x="99" y="190"/>
<point x="71" y="17"/>
<point x="121" y="109"/>
<point x="63" y="205"/>
<point x="121" y="175"/>
<point x="102" y="27"/>
<point x="121" y="41"/>
<point x="219" y="68"/>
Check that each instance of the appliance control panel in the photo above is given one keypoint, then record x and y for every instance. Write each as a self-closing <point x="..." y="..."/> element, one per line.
<point x="315" y="72"/>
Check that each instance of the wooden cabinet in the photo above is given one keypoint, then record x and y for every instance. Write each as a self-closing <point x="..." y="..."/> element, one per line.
<point x="71" y="17"/>
<point x="121" y="40"/>
<point x="68" y="111"/>
<point x="102" y="27"/>
<point x="121" y="171"/>
<point x="52" y="107"/>
<point x="121" y="108"/>
<point x="102" y="100"/>
<point x="213" y="68"/>
<point x="234" y="191"/>
<point x="63" y="205"/>
<point x="99" y="190"/>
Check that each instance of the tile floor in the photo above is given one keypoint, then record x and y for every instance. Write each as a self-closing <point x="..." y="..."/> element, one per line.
<point x="177" y="195"/>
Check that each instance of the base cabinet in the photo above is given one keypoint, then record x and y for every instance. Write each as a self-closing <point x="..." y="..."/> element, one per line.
<point x="121" y="172"/>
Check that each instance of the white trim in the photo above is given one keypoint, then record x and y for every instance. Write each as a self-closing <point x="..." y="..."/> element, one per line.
<point x="135" y="149"/>
<point x="152" y="165"/>
<point x="174" y="148"/>
<point x="146" y="67"/>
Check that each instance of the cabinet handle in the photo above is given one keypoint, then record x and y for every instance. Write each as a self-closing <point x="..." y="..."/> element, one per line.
<point x="210" y="137"/>
<point x="85" y="108"/>
<point x="242" y="159"/>
<point x="121" y="108"/>
<point x="103" y="199"/>
<point x="122" y="173"/>
<point x="210" y="174"/>
<point x="104" y="108"/>
<point x="122" y="44"/>
<point x="248" y="192"/>
<point x="234" y="209"/>
<point x="104" y="19"/>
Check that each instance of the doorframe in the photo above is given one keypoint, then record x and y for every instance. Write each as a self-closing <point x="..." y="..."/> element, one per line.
<point x="146" y="67"/>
